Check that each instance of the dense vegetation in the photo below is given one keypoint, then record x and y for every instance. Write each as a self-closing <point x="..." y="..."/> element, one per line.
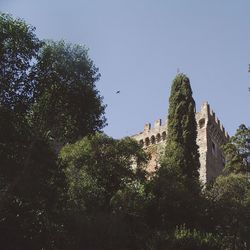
<point x="66" y="185"/>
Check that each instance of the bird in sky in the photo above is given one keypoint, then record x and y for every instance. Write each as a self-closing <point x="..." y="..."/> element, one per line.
<point x="118" y="92"/>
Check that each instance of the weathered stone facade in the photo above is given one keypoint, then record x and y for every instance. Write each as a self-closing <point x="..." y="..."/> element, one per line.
<point x="211" y="135"/>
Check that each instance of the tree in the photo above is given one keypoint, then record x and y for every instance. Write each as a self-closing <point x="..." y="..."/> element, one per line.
<point x="54" y="83"/>
<point x="176" y="185"/>
<point x="32" y="203"/>
<point x="100" y="170"/>
<point x="130" y="205"/>
<point x="32" y="183"/>
<point x="181" y="149"/>
<point x="186" y="239"/>
<point x="228" y="197"/>
<point x="228" y="212"/>
<point x="18" y="49"/>
<point x="101" y="165"/>
<point x="14" y="143"/>
<point x="237" y="151"/>
<point x="67" y="104"/>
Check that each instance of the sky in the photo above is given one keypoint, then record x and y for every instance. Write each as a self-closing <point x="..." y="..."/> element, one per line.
<point x="140" y="45"/>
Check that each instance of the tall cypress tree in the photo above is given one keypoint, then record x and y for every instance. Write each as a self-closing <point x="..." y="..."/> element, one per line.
<point x="175" y="186"/>
<point x="181" y="150"/>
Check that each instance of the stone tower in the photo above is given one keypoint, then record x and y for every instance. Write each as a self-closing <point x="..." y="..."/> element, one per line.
<point x="211" y="136"/>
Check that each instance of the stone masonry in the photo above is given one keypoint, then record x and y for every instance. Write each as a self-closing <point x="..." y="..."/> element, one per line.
<point x="211" y="136"/>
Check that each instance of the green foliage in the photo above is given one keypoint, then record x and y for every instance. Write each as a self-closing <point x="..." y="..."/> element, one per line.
<point x="130" y="206"/>
<point x="54" y="83"/>
<point x="183" y="238"/>
<point x="237" y="151"/>
<point x="14" y="143"/>
<point x="67" y="104"/>
<point x="106" y="193"/>
<point x="186" y="239"/>
<point x="98" y="166"/>
<point x="18" y="47"/>
<point x="229" y="210"/>
<point x="173" y="202"/>
<point x="176" y="184"/>
<point x="33" y="187"/>
<point x="31" y="201"/>
<point x="131" y="200"/>
<point x="181" y="149"/>
<point x="229" y="195"/>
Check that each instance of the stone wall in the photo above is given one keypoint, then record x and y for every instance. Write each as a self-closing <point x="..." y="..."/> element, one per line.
<point x="210" y="136"/>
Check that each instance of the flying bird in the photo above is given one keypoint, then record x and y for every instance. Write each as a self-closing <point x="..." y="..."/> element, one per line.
<point x="118" y="92"/>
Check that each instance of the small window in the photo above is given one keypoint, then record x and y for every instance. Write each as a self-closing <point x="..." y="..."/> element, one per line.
<point x="147" y="141"/>
<point x="158" y="137"/>
<point x="164" y="135"/>
<point x="141" y="143"/>
<point x="213" y="147"/>
<point x="152" y="139"/>
<point x="201" y="123"/>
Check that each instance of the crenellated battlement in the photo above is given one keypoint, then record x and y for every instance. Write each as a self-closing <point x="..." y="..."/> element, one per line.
<point x="213" y="119"/>
<point x="158" y="133"/>
<point x="152" y="135"/>
<point x="210" y="136"/>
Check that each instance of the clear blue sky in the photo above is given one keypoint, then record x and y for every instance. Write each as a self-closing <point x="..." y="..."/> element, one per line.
<point x="139" y="44"/>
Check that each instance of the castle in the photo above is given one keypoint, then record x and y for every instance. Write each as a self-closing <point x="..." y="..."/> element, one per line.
<point x="210" y="136"/>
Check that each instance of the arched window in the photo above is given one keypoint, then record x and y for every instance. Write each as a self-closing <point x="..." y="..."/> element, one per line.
<point x="164" y="136"/>
<point x="141" y="142"/>
<point x="153" y="139"/>
<point x="202" y="123"/>
<point x="158" y="138"/>
<point x="147" y="142"/>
